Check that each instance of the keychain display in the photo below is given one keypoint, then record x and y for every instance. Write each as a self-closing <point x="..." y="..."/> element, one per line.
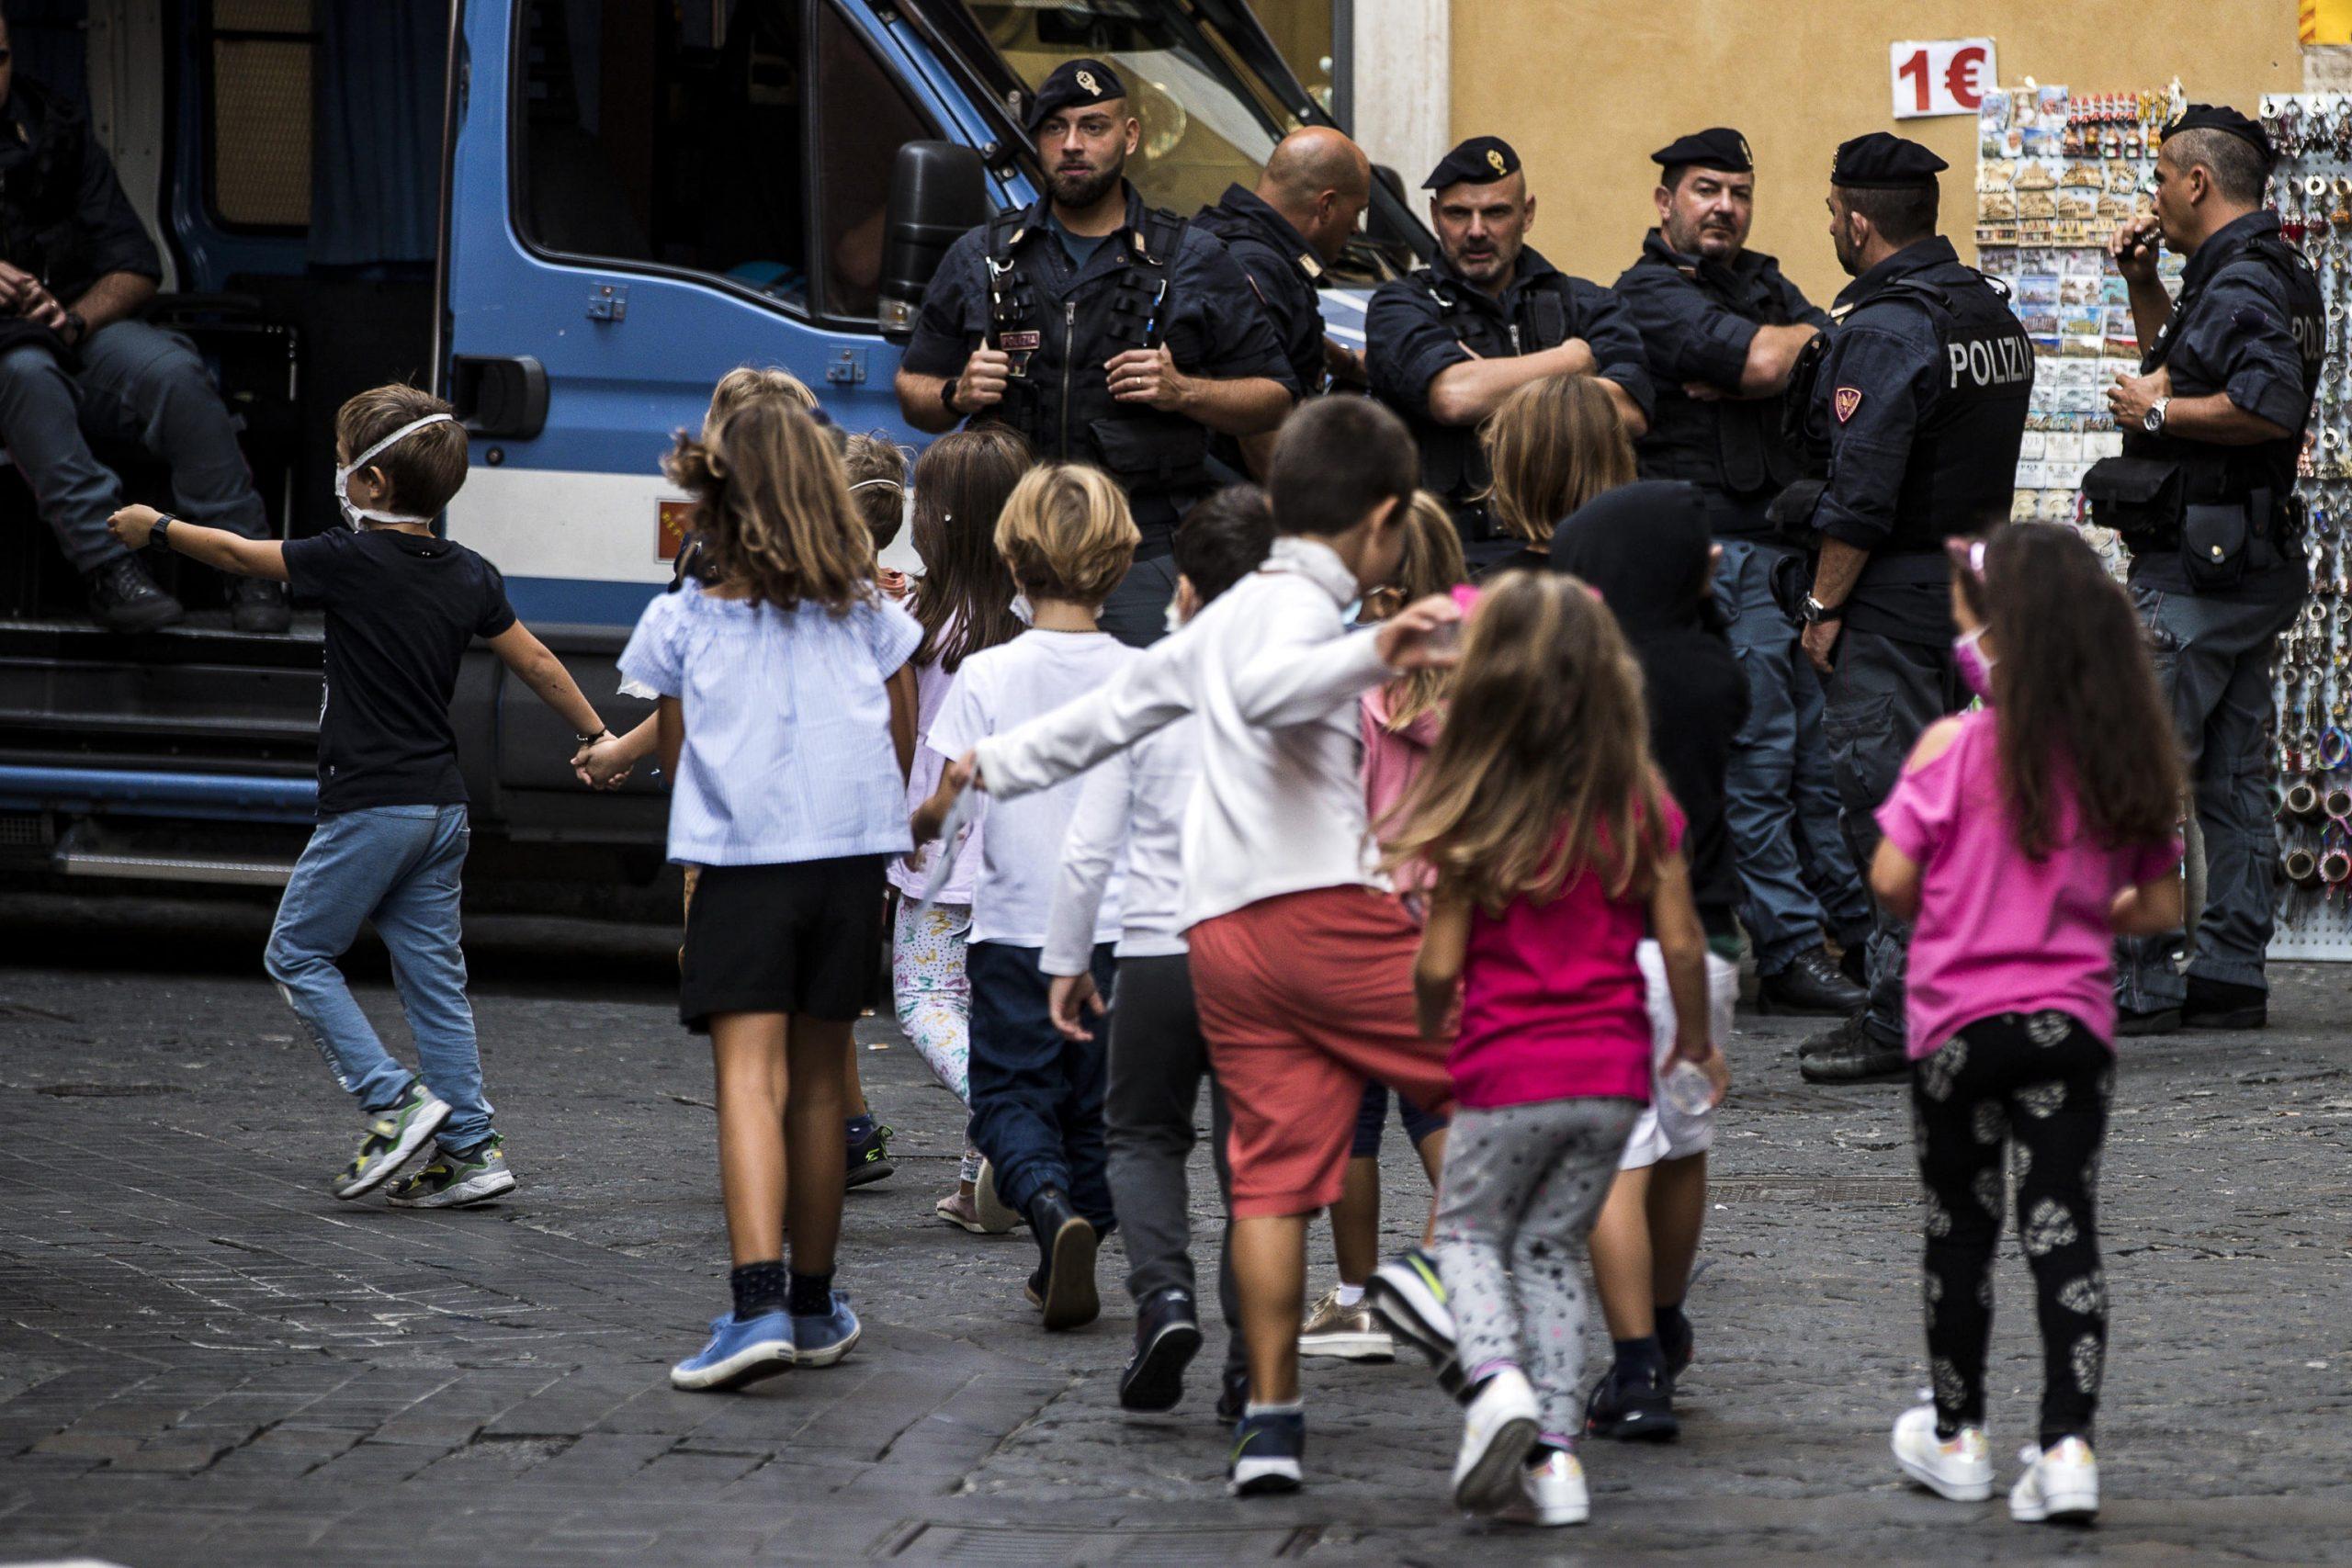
<point x="2312" y="679"/>
<point x="2057" y="172"/>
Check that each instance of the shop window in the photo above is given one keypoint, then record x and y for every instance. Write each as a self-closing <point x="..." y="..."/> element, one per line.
<point x="261" y="53"/>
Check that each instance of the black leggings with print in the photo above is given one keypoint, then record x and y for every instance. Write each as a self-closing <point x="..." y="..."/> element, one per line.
<point x="2038" y="1085"/>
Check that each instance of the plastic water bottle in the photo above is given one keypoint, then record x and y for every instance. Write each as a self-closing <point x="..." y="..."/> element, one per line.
<point x="1686" y="1087"/>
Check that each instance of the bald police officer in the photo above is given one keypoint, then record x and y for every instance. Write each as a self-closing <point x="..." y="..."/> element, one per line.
<point x="1918" y="402"/>
<point x="1722" y="329"/>
<point x="2204" y="498"/>
<point x="1105" y="331"/>
<point x="1446" y="343"/>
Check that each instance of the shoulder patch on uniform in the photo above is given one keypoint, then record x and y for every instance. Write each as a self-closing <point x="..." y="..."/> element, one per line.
<point x="2250" y="316"/>
<point x="1845" y="400"/>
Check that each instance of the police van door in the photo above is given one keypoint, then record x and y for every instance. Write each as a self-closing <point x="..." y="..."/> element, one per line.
<point x="644" y="195"/>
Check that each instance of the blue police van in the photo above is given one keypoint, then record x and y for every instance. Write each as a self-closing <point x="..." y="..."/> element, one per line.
<point x="569" y="217"/>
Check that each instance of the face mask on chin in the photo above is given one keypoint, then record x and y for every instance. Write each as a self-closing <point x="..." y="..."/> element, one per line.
<point x="1974" y="664"/>
<point x="355" y="516"/>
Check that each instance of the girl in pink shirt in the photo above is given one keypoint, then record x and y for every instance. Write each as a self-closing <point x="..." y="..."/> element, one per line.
<point x="2023" y="838"/>
<point x="1555" y="850"/>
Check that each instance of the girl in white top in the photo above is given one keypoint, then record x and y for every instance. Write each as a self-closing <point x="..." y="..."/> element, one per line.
<point x="786" y="723"/>
<point x="964" y="602"/>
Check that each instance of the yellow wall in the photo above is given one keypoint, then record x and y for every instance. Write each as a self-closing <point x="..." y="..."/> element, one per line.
<point x="1586" y="89"/>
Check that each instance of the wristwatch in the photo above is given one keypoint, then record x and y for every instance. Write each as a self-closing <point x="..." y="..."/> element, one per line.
<point x="155" y="535"/>
<point x="1814" y="612"/>
<point x="81" y="329"/>
<point x="592" y="740"/>
<point x="947" y="395"/>
<point x="2153" y="422"/>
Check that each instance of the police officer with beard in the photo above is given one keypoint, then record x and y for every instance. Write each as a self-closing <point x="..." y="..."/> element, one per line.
<point x="1447" y="343"/>
<point x="1917" y="401"/>
<point x="2203" y="496"/>
<point x="1722" y="329"/>
<point x="1105" y="331"/>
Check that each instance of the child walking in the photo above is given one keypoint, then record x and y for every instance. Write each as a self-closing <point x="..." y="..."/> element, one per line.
<point x="1553" y="848"/>
<point x="1036" y="1100"/>
<point x="1301" y="956"/>
<point x="1400" y="722"/>
<point x="787" y="715"/>
<point x="1133" y="807"/>
<point x="390" y="844"/>
<point x="964" y="604"/>
<point x="2023" y="837"/>
<point x="1647" y="550"/>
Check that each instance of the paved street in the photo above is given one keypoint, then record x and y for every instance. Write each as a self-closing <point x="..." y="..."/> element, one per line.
<point x="205" y="1359"/>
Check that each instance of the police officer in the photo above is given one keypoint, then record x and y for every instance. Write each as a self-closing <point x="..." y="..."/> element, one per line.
<point x="1284" y="235"/>
<point x="2203" y="496"/>
<point x="1919" y="403"/>
<point x="76" y="270"/>
<point x="1722" y="329"/>
<point x="1446" y="343"/>
<point x="1105" y="331"/>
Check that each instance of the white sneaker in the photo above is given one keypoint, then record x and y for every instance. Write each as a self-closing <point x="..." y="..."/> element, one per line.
<point x="2059" y="1485"/>
<point x="1496" y="1431"/>
<point x="1550" y="1494"/>
<point x="1961" y="1470"/>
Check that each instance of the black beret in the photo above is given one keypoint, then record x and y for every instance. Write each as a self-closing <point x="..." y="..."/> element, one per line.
<point x="1879" y="162"/>
<point x="1717" y="147"/>
<point x="2227" y="121"/>
<point x="1481" y="161"/>
<point x="1075" y="83"/>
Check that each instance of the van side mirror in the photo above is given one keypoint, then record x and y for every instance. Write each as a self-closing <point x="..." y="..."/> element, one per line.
<point x="938" y="190"/>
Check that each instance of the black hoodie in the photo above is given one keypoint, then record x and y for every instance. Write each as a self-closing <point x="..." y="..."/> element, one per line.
<point x="1645" y="547"/>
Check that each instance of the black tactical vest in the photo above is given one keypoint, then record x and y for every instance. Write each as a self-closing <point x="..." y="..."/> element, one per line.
<point x="1737" y="444"/>
<point x="2211" y="473"/>
<point x="1058" y="396"/>
<point x="40" y="195"/>
<point x="1964" y="463"/>
<point x="1452" y="462"/>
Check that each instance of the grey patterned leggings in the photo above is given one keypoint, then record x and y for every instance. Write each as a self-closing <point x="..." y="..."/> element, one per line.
<point x="2037" y="1086"/>
<point x="1522" y="1188"/>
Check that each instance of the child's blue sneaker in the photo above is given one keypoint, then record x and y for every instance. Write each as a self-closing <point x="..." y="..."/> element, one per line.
<point x="826" y="1338"/>
<point x="741" y="1351"/>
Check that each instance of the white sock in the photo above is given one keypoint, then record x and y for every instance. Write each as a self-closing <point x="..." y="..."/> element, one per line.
<point x="1348" y="1296"/>
<point x="1289" y="1407"/>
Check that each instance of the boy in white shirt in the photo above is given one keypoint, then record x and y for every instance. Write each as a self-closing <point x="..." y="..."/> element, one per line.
<point x="1302" y="958"/>
<point x="1036" y="1096"/>
<point x="1135" y="804"/>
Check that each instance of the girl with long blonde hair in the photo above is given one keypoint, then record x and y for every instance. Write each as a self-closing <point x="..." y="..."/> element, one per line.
<point x="1552" y="446"/>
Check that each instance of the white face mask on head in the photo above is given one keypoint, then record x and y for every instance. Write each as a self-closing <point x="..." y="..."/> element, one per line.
<point x="354" y="514"/>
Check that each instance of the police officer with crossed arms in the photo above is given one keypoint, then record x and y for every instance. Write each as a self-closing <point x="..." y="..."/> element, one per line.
<point x="2203" y="496"/>
<point x="1722" y="328"/>
<point x="1105" y="331"/>
<point x="1448" y="342"/>
<point x="1917" y="400"/>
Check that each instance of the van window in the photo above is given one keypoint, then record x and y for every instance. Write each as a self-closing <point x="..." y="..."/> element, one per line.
<point x="679" y="135"/>
<point x="258" y="151"/>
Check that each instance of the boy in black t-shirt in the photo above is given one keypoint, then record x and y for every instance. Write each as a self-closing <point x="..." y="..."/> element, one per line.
<point x="391" y="843"/>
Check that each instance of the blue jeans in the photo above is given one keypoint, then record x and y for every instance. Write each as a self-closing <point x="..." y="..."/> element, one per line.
<point x="135" y="383"/>
<point x="397" y="866"/>
<point x="1037" y="1097"/>
<point x="2213" y="656"/>
<point x="1372" y="1115"/>
<point x="1796" y="875"/>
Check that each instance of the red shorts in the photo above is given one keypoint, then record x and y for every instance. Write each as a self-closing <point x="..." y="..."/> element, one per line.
<point x="1302" y="998"/>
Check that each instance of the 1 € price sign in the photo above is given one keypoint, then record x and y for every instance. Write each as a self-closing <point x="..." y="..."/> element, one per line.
<point x="1948" y="76"/>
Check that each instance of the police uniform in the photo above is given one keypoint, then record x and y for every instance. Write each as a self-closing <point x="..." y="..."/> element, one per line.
<point x="2217" y="571"/>
<point x="1014" y="283"/>
<point x="63" y="218"/>
<point x="1433" y="318"/>
<point x="1283" y="270"/>
<point x="1696" y="319"/>
<point x="1918" y="402"/>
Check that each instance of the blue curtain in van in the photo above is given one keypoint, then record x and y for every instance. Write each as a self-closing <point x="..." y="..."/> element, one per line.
<point x="376" y="161"/>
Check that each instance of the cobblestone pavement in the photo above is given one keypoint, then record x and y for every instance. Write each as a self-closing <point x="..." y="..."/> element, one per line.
<point x="205" y="1359"/>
